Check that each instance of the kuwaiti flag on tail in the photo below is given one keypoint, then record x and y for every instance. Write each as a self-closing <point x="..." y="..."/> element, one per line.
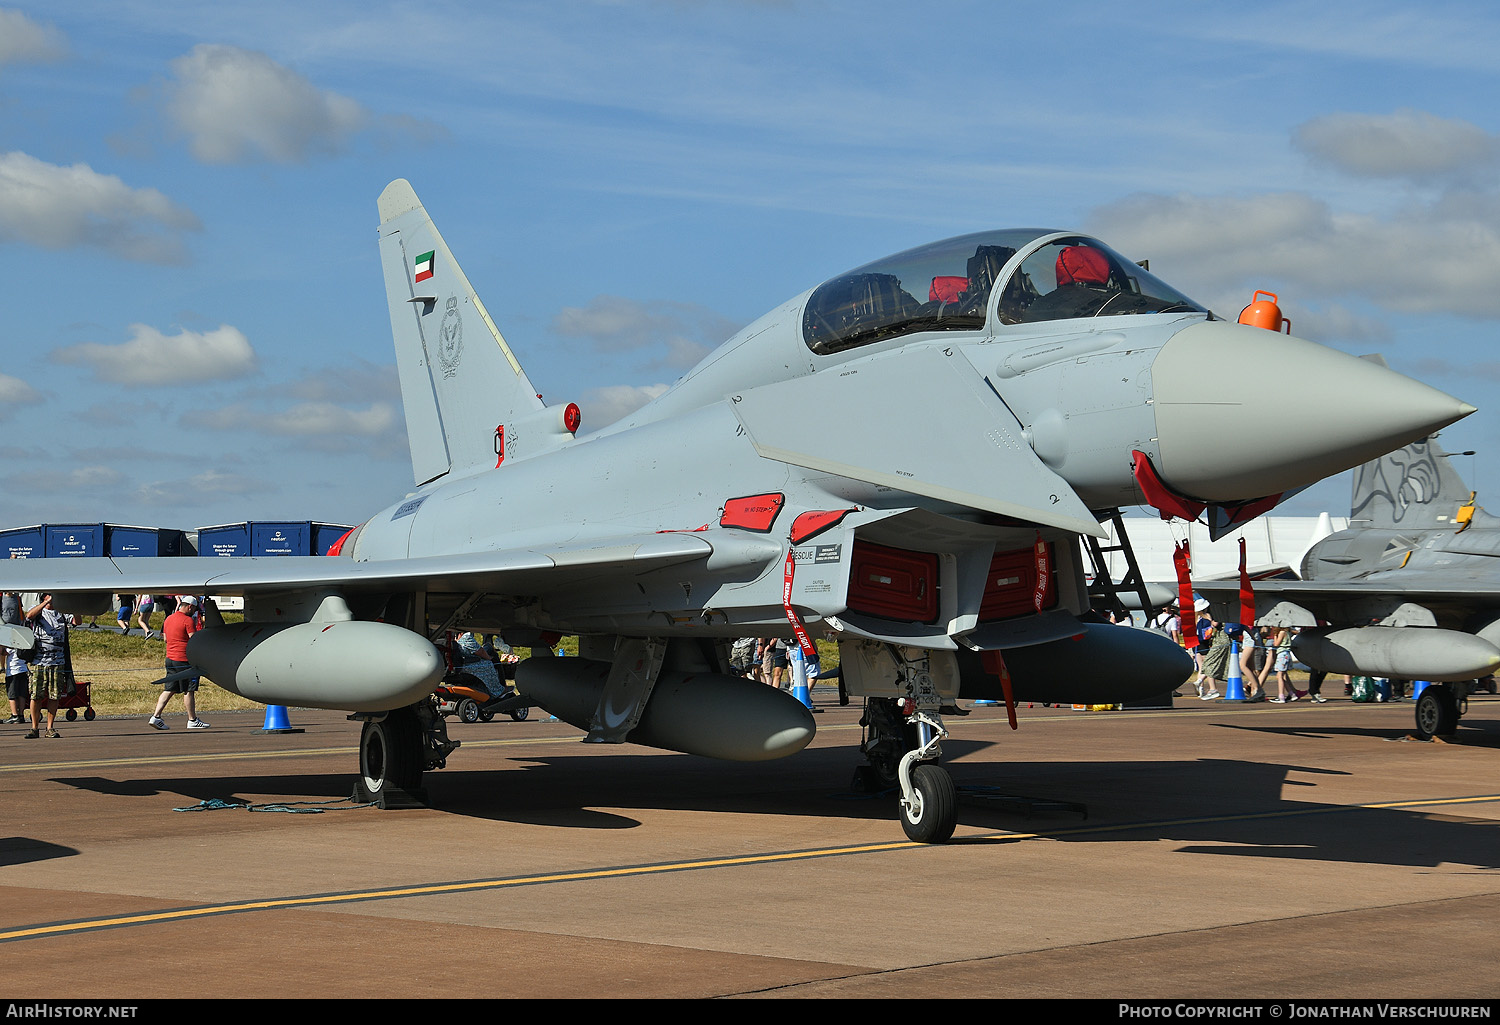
<point x="424" y="266"/>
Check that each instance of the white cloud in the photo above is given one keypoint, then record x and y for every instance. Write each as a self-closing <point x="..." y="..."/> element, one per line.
<point x="354" y="381"/>
<point x="377" y="430"/>
<point x="1410" y="144"/>
<point x="16" y="392"/>
<point x="56" y="207"/>
<point x="304" y="420"/>
<point x="674" y="334"/>
<point x="23" y="40"/>
<point x="239" y="106"/>
<point x="603" y="406"/>
<point x="201" y="489"/>
<point x="315" y="419"/>
<point x="154" y="358"/>
<point x="74" y="481"/>
<point x="1413" y="261"/>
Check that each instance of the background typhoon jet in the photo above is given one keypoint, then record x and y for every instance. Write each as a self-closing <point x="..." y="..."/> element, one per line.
<point x="1411" y="590"/>
<point x="903" y="459"/>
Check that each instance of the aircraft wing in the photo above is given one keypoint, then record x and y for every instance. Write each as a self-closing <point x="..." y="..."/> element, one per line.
<point x="514" y="571"/>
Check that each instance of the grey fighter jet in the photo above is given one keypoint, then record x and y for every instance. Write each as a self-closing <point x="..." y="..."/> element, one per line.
<point x="1411" y="590"/>
<point x="902" y="459"/>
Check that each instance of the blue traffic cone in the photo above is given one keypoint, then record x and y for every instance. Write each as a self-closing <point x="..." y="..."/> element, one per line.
<point x="277" y="721"/>
<point x="799" y="675"/>
<point x="1234" y="683"/>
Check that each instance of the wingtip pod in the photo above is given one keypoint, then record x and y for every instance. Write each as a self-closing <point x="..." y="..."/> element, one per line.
<point x="1228" y="432"/>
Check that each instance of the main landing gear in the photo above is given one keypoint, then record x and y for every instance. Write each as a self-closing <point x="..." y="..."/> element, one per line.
<point x="395" y="748"/>
<point x="1438" y="710"/>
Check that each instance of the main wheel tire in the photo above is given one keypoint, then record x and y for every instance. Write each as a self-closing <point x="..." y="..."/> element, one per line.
<point x="521" y="713"/>
<point x="1437" y="712"/>
<point x="390" y="755"/>
<point x="934" y="811"/>
<point x="485" y="716"/>
<point x="468" y="710"/>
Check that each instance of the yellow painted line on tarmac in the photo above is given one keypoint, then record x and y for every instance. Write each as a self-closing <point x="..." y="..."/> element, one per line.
<point x="1283" y="813"/>
<point x="434" y="889"/>
<point x="439" y="889"/>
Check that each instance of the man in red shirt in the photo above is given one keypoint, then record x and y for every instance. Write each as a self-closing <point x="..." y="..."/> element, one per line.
<point x="179" y="626"/>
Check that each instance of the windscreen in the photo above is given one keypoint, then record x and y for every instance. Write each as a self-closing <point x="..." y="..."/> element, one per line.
<point x="944" y="286"/>
<point x="1080" y="277"/>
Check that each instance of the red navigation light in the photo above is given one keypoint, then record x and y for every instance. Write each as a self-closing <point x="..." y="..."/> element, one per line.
<point x="572" y="418"/>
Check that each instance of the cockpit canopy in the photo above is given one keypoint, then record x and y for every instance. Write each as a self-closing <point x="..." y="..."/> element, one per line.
<point x="1058" y="277"/>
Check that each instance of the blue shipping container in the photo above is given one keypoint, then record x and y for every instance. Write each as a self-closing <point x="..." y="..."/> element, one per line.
<point x="122" y="541"/>
<point x="326" y="535"/>
<point x="68" y="540"/>
<point x="225" y="539"/>
<point x="281" y="538"/>
<point x="23" y="543"/>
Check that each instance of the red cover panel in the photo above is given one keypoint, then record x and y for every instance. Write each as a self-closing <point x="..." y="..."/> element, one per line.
<point x="1010" y="587"/>
<point x="893" y="583"/>
<point x="753" y="512"/>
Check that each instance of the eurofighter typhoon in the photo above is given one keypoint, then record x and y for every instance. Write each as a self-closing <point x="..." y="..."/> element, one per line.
<point x="902" y="459"/>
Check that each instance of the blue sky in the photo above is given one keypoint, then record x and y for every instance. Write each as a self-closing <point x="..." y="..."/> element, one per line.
<point x="194" y="329"/>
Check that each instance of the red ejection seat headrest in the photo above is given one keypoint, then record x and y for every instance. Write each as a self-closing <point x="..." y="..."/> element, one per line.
<point x="1082" y="265"/>
<point x="947" y="288"/>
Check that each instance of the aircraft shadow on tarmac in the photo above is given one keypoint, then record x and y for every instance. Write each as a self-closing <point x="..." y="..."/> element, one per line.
<point x="1478" y="734"/>
<point x="1224" y="807"/>
<point x="22" y="850"/>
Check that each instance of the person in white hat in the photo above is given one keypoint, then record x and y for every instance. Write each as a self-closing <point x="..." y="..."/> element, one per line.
<point x="180" y="626"/>
<point x="1193" y="623"/>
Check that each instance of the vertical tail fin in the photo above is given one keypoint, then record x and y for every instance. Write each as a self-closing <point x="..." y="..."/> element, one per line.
<point x="1413" y="487"/>
<point x="459" y="380"/>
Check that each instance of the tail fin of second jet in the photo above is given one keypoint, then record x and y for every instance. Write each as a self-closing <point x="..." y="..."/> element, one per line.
<point x="459" y="380"/>
<point x="1414" y="487"/>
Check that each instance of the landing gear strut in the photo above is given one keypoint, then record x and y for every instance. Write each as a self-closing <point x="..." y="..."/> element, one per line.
<point x="395" y="748"/>
<point x="901" y="745"/>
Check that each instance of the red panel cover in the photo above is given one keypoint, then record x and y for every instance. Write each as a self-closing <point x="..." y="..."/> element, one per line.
<point x="1010" y="587"/>
<point x="753" y="512"/>
<point x="893" y="583"/>
<point x="811" y="524"/>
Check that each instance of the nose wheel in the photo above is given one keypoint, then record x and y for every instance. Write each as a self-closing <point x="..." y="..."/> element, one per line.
<point x="930" y="813"/>
<point x="902" y="746"/>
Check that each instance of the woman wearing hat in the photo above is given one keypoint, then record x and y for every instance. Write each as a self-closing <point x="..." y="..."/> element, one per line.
<point x="1214" y="641"/>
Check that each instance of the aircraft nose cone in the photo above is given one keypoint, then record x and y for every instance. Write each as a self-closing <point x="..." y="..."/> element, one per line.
<point x="1243" y="412"/>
